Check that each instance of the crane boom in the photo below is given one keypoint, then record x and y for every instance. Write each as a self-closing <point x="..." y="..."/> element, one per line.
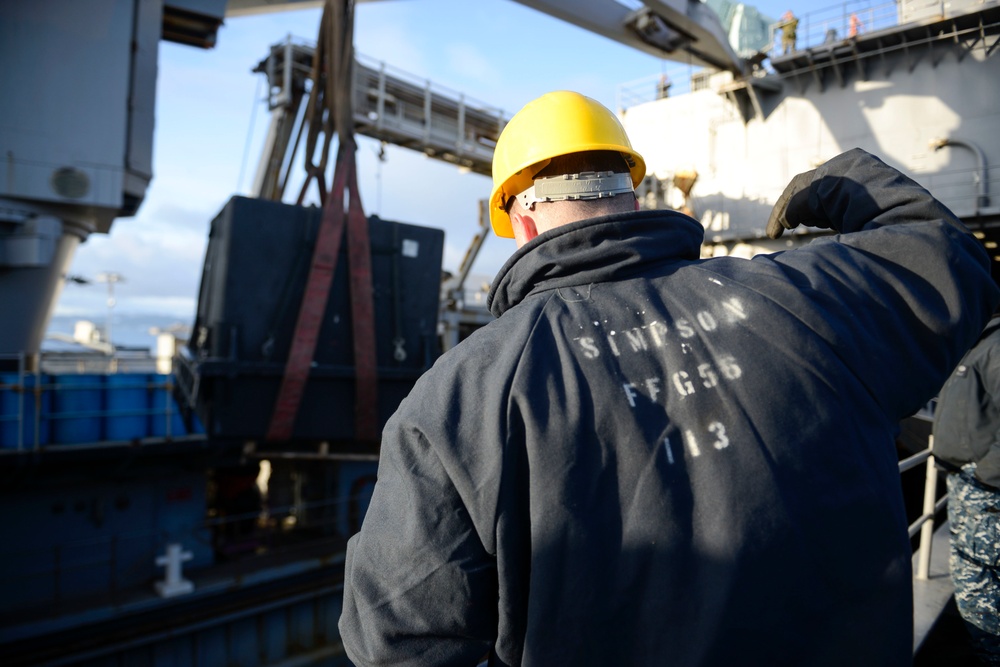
<point x="680" y="30"/>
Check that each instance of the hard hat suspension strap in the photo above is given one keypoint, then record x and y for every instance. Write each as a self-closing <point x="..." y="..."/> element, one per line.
<point x="585" y="185"/>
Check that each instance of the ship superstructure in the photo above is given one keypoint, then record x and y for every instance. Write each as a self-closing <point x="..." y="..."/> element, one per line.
<point x="158" y="521"/>
<point x="917" y="86"/>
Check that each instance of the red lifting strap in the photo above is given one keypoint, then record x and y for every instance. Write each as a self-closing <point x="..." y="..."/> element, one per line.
<point x="313" y="307"/>
<point x="359" y="256"/>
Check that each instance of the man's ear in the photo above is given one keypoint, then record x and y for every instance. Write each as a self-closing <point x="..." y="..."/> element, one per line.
<point x="523" y="225"/>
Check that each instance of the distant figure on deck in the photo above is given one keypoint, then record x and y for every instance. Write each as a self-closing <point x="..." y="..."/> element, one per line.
<point x="855" y="26"/>
<point x="967" y="445"/>
<point x="789" y="24"/>
<point x="663" y="87"/>
<point x="654" y="458"/>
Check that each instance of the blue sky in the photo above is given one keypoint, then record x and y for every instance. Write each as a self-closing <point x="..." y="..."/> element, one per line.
<point x="210" y="123"/>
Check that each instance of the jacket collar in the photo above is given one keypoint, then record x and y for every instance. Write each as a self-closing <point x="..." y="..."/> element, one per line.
<point x="605" y="248"/>
<point x="991" y="326"/>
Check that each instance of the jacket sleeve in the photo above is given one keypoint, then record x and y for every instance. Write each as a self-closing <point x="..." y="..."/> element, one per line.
<point x="988" y="467"/>
<point x="901" y="292"/>
<point x="420" y="581"/>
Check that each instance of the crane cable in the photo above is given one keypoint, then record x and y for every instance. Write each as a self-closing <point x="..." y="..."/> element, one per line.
<point x="330" y="112"/>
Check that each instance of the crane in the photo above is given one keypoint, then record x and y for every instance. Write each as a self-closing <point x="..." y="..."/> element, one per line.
<point x="78" y="150"/>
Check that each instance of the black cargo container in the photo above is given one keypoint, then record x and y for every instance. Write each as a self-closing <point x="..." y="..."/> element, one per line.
<point x="256" y="266"/>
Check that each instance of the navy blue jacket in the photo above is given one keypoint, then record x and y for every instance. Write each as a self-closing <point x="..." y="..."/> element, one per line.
<point x="967" y="417"/>
<point x="651" y="458"/>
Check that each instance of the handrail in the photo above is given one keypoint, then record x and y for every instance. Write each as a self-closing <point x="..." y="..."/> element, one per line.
<point x="924" y="524"/>
<point x="835" y="22"/>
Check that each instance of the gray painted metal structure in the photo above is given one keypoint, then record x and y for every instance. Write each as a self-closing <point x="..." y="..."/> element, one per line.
<point x="686" y="30"/>
<point x="922" y="94"/>
<point x="389" y="104"/>
<point x="77" y="148"/>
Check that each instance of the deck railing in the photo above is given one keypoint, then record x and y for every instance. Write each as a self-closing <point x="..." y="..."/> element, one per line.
<point x="834" y="23"/>
<point x="924" y="524"/>
<point x="932" y="585"/>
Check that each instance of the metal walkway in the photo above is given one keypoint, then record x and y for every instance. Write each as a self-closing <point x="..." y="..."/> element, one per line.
<point x="844" y="55"/>
<point x="416" y="114"/>
<point x="389" y="105"/>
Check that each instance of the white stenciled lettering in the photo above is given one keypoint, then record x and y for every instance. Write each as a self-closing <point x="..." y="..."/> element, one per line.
<point x="590" y="349"/>
<point x="728" y="366"/>
<point x="734" y="310"/>
<point x="689" y="441"/>
<point x="719" y="431"/>
<point x="707" y="321"/>
<point x="636" y="339"/>
<point x="630" y="393"/>
<point x="657" y="331"/>
<point x="653" y="388"/>
<point x="707" y="373"/>
<point x="682" y="384"/>
<point x="692" y="443"/>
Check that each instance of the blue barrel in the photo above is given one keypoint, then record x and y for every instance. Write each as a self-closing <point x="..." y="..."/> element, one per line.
<point x="23" y="411"/>
<point x="163" y="409"/>
<point x="10" y="410"/>
<point x="126" y="399"/>
<point x="76" y="408"/>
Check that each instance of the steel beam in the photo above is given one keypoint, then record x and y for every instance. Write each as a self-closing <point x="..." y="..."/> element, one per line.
<point x="680" y="30"/>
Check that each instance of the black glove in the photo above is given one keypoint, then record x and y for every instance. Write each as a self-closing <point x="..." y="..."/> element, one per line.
<point x="793" y="208"/>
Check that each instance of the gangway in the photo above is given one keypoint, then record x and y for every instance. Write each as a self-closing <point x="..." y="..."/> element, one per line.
<point x="389" y="105"/>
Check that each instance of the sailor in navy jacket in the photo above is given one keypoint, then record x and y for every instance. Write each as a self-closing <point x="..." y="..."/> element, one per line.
<point x="650" y="458"/>
<point x="967" y="419"/>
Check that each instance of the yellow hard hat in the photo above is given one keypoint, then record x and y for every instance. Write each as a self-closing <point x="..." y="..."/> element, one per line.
<point x="555" y="124"/>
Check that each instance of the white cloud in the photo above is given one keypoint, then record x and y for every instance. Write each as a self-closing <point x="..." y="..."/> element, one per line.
<point x="210" y="127"/>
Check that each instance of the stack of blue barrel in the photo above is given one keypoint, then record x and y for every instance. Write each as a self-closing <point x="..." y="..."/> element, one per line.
<point x="65" y="409"/>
